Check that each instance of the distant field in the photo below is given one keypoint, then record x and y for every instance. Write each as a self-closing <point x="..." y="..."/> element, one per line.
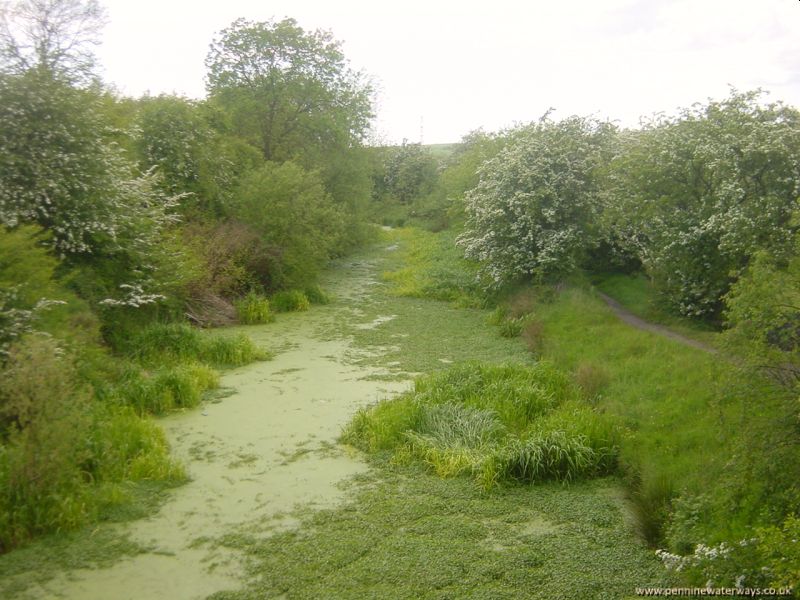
<point x="441" y="151"/>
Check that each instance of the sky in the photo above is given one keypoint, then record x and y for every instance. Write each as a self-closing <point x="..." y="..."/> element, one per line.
<point x="445" y="68"/>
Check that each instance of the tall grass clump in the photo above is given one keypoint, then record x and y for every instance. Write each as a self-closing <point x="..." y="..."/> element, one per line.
<point x="290" y="301"/>
<point x="177" y="386"/>
<point x="433" y="267"/>
<point x="493" y="422"/>
<point x="170" y="343"/>
<point x="253" y="309"/>
<point x="316" y="295"/>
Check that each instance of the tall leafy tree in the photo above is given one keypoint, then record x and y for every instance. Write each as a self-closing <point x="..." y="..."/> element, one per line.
<point x="58" y="167"/>
<point x="288" y="91"/>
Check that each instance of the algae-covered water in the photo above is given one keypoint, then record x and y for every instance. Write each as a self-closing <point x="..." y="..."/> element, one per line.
<point x="276" y="509"/>
<point x="254" y="457"/>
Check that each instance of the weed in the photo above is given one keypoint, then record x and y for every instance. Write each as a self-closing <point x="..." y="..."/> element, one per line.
<point x="498" y="315"/>
<point x="316" y="295"/>
<point x="512" y="327"/>
<point x="533" y="336"/>
<point x="497" y="423"/>
<point x="591" y="379"/>
<point x="409" y="534"/>
<point x="651" y="499"/>
<point x="290" y="301"/>
<point x="253" y="309"/>
<point x="171" y="343"/>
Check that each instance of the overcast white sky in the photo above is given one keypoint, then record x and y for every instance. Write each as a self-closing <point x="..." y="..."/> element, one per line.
<point x="446" y="68"/>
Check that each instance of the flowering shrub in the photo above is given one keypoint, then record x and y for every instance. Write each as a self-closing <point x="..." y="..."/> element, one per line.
<point x="770" y="558"/>
<point x="530" y="215"/>
<point x="694" y="197"/>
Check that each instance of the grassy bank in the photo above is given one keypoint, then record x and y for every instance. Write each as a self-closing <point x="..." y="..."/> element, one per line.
<point x="76" y="437"/>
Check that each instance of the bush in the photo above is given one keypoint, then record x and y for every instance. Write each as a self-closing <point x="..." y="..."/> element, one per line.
<point x="770" y="558"/>
<point x="253" y="309"/>
<point x="44" y="414"/>
<point x="126" y="447"/>
<point x="696" y="196"/>
<point x="531" y="214"/>
<point x="290" y="301"/>
<point x="294" y="216"/>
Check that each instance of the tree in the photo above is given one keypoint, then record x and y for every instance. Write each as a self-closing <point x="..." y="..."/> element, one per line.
<point x="410" y="172"/>
<point x="531" y="214"/>
<point x="288" y="91"/>
<point x="51" y="36"/>
<point x="57" y="170"/>
<point x="698" y="195"/>
<point x="296" y="218"/>
<point x="174" y="135"/>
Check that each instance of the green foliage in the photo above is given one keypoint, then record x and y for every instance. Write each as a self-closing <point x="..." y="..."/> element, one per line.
<point x="253" y="309"/>
<point x="126" y="447"/>
<point x="172" y="343"/>
<point x="696" y="196"/>
<point x="316" y="295"/>
<point x="290" y="301"/>
<point x="496" y="423"/>
<point x="165" y="389"/>
<point x="531" y="214"/>
<point x="763" y="318"/>
<point x="287" y="91"/>
<point x="406" y="534"/>
<point x="174" y="135"/>
<point x="433" y="267"/>
<point x="294" y="216"/>
<point x="512" y="327"/>
<point x="768" y="559"/>
<point x="591" y="378"/>
<point x="56" y="446"/>
<point x="58" y="171"/>
<point x="409" y="172"/>
<point x="231" y="259"/>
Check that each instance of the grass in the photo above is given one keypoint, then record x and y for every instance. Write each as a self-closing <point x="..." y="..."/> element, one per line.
<point x="253" y="309"/>
<point x="693" y="426"/>
<point x="431" y="266"/>
<point x="316" y="295"/>
<point x="637" y="294"/>
<point x="171" y="343"/>
<point x="694" y="433"/>
<point x="89" y="547"/>
<point x="163" y="390"/>
<point x="407" y="534"/>
<point x="497" y="423"/>
<point x="290" y="301"/>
